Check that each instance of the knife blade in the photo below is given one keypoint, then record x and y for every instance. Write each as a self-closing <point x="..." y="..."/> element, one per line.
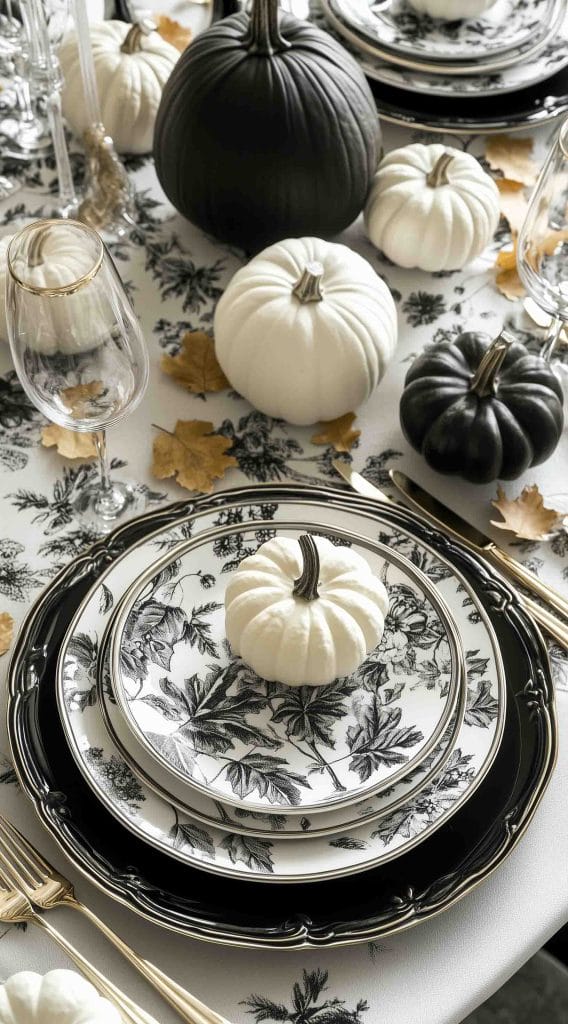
<point x="450" y="520"/>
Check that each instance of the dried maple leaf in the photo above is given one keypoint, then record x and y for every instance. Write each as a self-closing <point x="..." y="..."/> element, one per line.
<point x="174" y="33"/>
<point x="193" y="454"/>
<point x="79" y="398"/>
<point x="507" y="278"/>
<point x="513" y="202"/>
<point x="71" y="444"/>
<point x="526" y="516"/>
<point x="196" y="366"/>
<point x="6" y="631"/>
<point x="338" y="433"/>
<point x="512" y="156"/>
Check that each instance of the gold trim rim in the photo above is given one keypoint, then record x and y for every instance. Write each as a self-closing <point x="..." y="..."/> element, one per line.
<point x="68" y="289"/>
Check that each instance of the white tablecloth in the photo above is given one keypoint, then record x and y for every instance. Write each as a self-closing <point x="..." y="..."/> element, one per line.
<point x="435" y="973"/>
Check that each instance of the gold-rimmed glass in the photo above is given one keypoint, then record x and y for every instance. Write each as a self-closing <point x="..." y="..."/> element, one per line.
<point x="542" y="248"/>
<point x="76" y="342"/>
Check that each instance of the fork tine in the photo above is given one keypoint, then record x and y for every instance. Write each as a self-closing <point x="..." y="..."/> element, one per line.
<point x="29" y="861"/>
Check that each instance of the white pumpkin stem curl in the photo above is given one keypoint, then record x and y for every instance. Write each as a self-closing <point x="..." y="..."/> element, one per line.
<point x="306" y="586"/>
<point x="308" y="288"/>
<point x="439" y="173"/>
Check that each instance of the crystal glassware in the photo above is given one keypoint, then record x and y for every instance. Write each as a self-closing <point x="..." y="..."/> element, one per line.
<point x="25" y="128"/>
<point x="76" y="342"/>
<point x="542" y="248"/>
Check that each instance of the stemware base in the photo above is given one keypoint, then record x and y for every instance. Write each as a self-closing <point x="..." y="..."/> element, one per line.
<point x="105" y="508"/>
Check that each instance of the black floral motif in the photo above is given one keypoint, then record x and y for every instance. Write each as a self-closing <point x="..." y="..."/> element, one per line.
<point x="83" y="651"/>
<point x="481" y="708"/>
<point x="255" y="853"/>
<point x="305" y="1006"/>
<point x="309" y="712"/>
<point x="8" y="775"/>
<point x="377" y="467"/>
<point x="178" y="276"/>
<point x="261" y="454"/>
<point x="377" y="739"/>
<point x="115" y="775"/>
<point x="17" y="578"/>
<point x="423" y="308"/>
<point x="20" y="423"/>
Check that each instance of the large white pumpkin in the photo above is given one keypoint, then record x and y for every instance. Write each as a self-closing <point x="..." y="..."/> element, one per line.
<point x="431" y="207"/>
<point x="451" y="10"/>
<point x="59" y="997"/>
<point x="131" y="69"/>
<point x="305" y="330"/>
<point x="304" y="612"/>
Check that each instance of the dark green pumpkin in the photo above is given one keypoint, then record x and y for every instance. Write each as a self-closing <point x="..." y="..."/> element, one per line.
<point x="267" y="129"/>
<point x="483" y="409"/>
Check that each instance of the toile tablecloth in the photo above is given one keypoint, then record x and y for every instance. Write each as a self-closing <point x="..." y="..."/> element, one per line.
<point x="435" y="973"/>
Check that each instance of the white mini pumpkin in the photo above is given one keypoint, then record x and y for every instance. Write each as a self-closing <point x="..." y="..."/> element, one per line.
<point x="131" y="69"/>
<point x="59" y="997"/>
<point x="451" y="10"/>
<point x="431" y="207"/>
<point x="304" y="612"/>
<point x="305" y="330"/>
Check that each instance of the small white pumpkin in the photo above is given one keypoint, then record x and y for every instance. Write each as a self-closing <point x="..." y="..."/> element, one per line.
<point x="431" y="207"/>
<point x="305" y="330"/>
<point x="132" y="65"/>
<point x="304" y="612"/>
<point x="4" y="243"/>
<point x="83" y="319"/>
<point x="451" y="10"/>
<point x="59" y="997"/>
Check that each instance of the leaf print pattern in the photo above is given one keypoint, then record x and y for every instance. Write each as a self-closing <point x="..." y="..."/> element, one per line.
<point x="17" y="579"/>
<point x="378" y="738"/>
<point x="252" y="852"/>
<point x="481" y="707"/>
<point x="115" y="775"/>
<point x="186" y="834"/>
<point x="422" y="308"/>
<point x="306" y="1005"/>
<point x="270" y="776"/>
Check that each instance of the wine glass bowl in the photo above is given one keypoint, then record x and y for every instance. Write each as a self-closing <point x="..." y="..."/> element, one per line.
<point x="76" y="342"/>
<point x="542" y="246"/>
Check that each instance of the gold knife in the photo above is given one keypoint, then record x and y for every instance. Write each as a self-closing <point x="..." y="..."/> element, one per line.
<point x="554" y="627"/>
<point x="426" y="502"/>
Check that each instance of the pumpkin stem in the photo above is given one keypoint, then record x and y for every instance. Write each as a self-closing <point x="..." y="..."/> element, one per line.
<point x="439" y="173"/>
<point x="308" y="288"/>
<point x="135" y="35"/>
<point x="485" y="378"/>
<point x="306" y="585"/>
<point x="263" y="36"/>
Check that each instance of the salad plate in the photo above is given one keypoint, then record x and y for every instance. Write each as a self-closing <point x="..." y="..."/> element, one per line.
<point x="171" y="681"/>
<point x="508" y="27"/>
<point x="525" y="73"/>
<point x="413" y="887"/>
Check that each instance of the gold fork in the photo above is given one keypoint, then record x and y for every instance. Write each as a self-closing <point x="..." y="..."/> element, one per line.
<point x="46" y="889"/>
<point x="15" y="908"/>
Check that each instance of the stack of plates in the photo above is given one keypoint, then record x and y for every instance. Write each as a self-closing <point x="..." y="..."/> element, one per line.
<point x="243" y="811"/>
<point x="502" y="69"/>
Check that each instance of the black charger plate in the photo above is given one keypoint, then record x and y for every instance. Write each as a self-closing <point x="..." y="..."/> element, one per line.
<point x="398" y="895"/>
<point x="487" y="114"/>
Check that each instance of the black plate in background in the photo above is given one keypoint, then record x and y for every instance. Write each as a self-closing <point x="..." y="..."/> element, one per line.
<point x="411" y="888"/>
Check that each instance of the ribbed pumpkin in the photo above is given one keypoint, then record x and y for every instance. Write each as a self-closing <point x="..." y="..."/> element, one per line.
<point x="267" y="129"/>
<point x="481" y="409"/>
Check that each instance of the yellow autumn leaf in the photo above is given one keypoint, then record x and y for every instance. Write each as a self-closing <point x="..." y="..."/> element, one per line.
<point x="71" y="444"/>
<point x="512" y="202"/>
<point x="507" y="278"/>
<point x="512" y="156"/>
<point x="193" y="454"/>
<point x="174" y="33"/>
<point x="78" y="399"/>
<point x="196" y="366"/>
<point x="526" y="516"/>
<point x="338" y="433"/>
<point x="6" y="631"/>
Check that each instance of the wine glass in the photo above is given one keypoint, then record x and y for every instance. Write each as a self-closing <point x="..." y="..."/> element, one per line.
<point x="77" y="344"/>
<point x="542" y="248"/>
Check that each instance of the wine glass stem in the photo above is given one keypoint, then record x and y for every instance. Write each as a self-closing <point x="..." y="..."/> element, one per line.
<point x="101" y="446"/>
<point x="551" y="343"/>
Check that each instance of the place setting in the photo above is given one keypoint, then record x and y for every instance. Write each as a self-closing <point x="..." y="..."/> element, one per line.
<point x="278" y="675"/>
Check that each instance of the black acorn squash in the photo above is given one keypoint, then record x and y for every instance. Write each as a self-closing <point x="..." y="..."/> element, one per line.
<point x="481" y="409"/>
<point x="267" y="129"/>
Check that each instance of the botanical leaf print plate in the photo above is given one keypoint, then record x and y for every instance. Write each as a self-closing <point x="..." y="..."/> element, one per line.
<point x="507" y="25"/>
<point x="157" y="821"/>
<point x="210" y="720"/>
